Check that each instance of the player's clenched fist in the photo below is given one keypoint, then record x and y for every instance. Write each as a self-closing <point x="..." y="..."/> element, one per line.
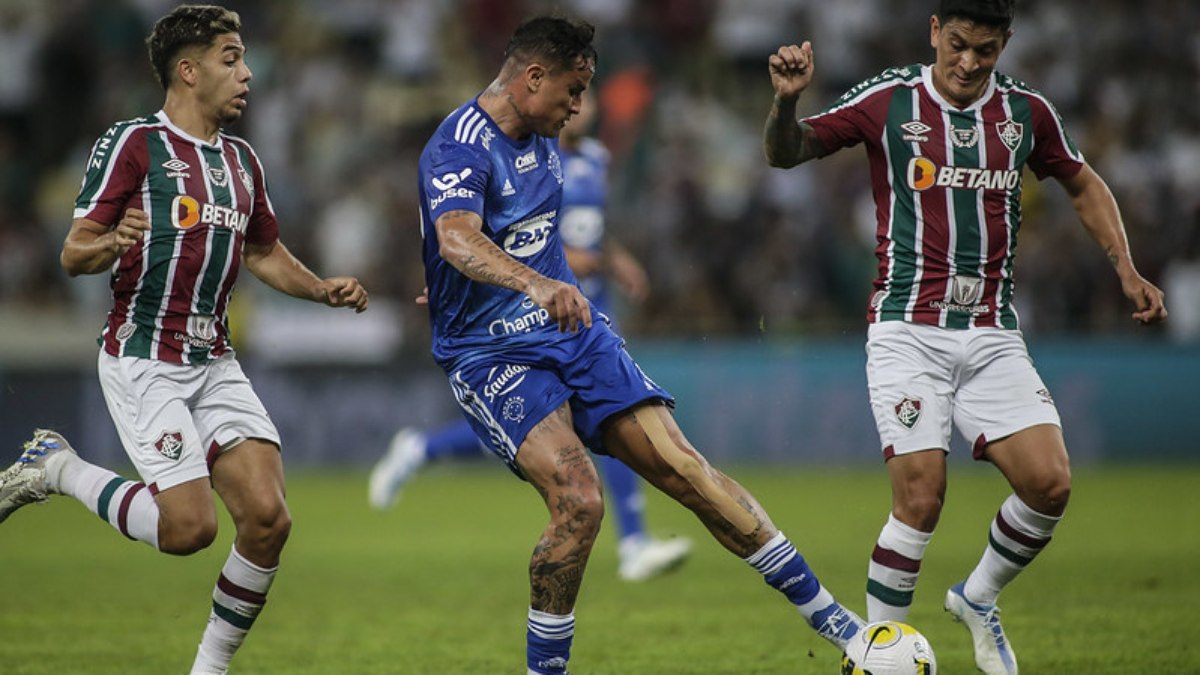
<point x="564" y="303"/>
<point x="129" y="230"/>
<point x="791" y="69"/>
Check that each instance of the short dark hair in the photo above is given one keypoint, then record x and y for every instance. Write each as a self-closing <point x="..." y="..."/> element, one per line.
<point x="995" y="13"/>
<point x="561" y="42"/>
<point x="187" y="26"/>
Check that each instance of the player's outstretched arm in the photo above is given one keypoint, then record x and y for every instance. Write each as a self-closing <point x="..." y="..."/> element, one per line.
<point x="786" y="141"/>
<point x="1098" y="211"/>
<point x="92" y="247"/>
<point x="462" y="243"/>
<point x="275" y="265"/>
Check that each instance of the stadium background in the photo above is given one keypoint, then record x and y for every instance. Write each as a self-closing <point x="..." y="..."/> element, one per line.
<point x="760" y="277"/>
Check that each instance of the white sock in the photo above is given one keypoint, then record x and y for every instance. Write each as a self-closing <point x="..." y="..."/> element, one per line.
<point x="1017" y="535"/>
<point x="238" y="597"/>
<point x="893" y="570"/>
<point x="124" y="504"/>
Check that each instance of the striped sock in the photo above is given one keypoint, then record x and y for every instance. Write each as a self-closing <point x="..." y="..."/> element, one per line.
<point x="893" y="570"/>
<point x="1017" y="535"/>
<point x="548" y="642"/>
<point x="238" y="597"/>
<point x="122" y="503"/>
<point x="785" y="570"/>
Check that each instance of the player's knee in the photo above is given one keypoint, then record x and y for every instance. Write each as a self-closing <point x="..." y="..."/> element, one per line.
<point x="920" y="510"/>
<point x="1050" y="494"/>
<point x="266" y="527"/>
<point x="187" y="535"/>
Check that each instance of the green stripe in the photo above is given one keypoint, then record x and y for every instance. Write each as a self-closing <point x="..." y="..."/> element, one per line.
<point x="159" y="251"/>
<point x="965" y="205"/>
<point x="889" y="596"/>
<point x="106" y="496"/>
<point x="1009" y="554"/>
<point x="229" y="616"/>
<point x="903" y="274"/>
<point x="1021" y="114"/>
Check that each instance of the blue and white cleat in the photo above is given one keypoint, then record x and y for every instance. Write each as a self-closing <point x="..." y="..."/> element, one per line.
<point x="837" y="624"/>
<point x="25" y="481"/>
<point x="993" y="654"/>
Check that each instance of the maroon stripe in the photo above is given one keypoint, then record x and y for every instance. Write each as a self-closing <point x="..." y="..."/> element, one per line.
<point x="1019" y="537"/>
<point x="123" y="510"/>
<point x="890" y="559"/>
<point x="213" y="451"/>
<point x="889" y="452"/>
<point x="978" y="448"/>
<point x="244" y="594"/>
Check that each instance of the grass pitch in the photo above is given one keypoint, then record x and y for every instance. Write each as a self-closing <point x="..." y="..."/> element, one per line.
<point x="439" y="585"/>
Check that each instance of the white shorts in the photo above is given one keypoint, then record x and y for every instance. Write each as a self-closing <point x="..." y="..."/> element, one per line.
<point x="175" y="419"/>
<point x="923" y="378"/>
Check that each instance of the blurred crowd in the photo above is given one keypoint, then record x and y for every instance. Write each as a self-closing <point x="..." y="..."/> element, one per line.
<point x="346" y="92"/>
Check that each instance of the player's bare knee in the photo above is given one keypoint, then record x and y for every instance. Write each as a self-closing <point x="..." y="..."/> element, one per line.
<point x="919" y="510"/>
<point x="266" y="529"/>
<point x="582" y="509"/>
<point x="185" y="537"/>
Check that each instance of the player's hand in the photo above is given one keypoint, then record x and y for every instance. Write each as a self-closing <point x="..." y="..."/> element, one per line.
<point x="423" y="298"/>
<point x="344" y="292"/>
<point x="129" y="230"/>
<point x="791" y="70"/>
<point x="564" y="302"/>
<point x="1146" y="297"/>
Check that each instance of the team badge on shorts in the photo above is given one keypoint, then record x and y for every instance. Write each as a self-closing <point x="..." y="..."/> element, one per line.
<point x="170" y="444"/>
<point x="514" y="408"/>
<point x="908" y="412"/>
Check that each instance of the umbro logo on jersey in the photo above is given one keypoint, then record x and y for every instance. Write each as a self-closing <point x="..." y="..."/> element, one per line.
<point x="177" y="168"/>
<point x="915" y="131"/>
<point x="508" y="190"/>
<point x="1011" y="133"/>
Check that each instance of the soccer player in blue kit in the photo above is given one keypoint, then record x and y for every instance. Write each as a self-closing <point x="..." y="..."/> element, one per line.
<point x="596" y="259"/>
<point x="537" y="377"/>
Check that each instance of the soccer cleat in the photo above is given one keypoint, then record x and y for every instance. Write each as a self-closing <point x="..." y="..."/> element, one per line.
<point x="837" y="624"/>
<point x="653" y="557"/>
<point x="993" y="654"/>
<point x="405" y="456"/>
<point x="25" y="481"/>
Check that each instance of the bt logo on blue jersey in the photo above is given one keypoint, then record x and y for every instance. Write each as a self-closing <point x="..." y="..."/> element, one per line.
<point x="528" y="237"/>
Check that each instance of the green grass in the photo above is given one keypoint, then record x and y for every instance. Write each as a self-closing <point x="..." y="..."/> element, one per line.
<point x="439" y="585"/>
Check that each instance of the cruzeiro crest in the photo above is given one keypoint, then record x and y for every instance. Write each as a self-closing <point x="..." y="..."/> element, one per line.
<point x="1010" y="133"/>
<point x="908" y="411"/>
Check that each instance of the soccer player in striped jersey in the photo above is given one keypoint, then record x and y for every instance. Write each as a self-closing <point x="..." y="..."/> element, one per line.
<point x="537" y="372"/>
<point x="947" y="144"/>
<point x="171" y="206"/>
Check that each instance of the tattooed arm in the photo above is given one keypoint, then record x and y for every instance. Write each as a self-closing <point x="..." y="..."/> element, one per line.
<point x="786" y="141"/>
<point x="462" y="243"/>
<point x="1098" y="211"/>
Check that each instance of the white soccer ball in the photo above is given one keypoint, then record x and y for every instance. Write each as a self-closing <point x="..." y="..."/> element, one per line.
<point x="888" y="648"/>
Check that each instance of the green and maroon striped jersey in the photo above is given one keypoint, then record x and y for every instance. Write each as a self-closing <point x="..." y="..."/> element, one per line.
<point x="947" y="189"/>
<point x="204" y="200"/>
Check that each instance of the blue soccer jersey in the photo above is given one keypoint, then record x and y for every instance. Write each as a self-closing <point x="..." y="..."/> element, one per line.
<point x="585" y="195"/>
<point x="516" y="188"/>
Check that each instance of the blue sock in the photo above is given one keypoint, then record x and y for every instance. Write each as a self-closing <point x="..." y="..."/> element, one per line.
<point x="548" y="642"/>
<point x="625" y="496"/>
<point x="785" y="570"/>
<point x="457" y="439"/>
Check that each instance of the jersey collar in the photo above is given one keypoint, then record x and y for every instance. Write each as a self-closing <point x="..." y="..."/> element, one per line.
<point x="927" y="81"/>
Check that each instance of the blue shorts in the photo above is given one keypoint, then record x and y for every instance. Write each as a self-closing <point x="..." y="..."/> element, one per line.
<point x="505" y="396"/>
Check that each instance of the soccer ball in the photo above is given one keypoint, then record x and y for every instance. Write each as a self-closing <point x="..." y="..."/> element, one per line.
<point x="888" y="648"/>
